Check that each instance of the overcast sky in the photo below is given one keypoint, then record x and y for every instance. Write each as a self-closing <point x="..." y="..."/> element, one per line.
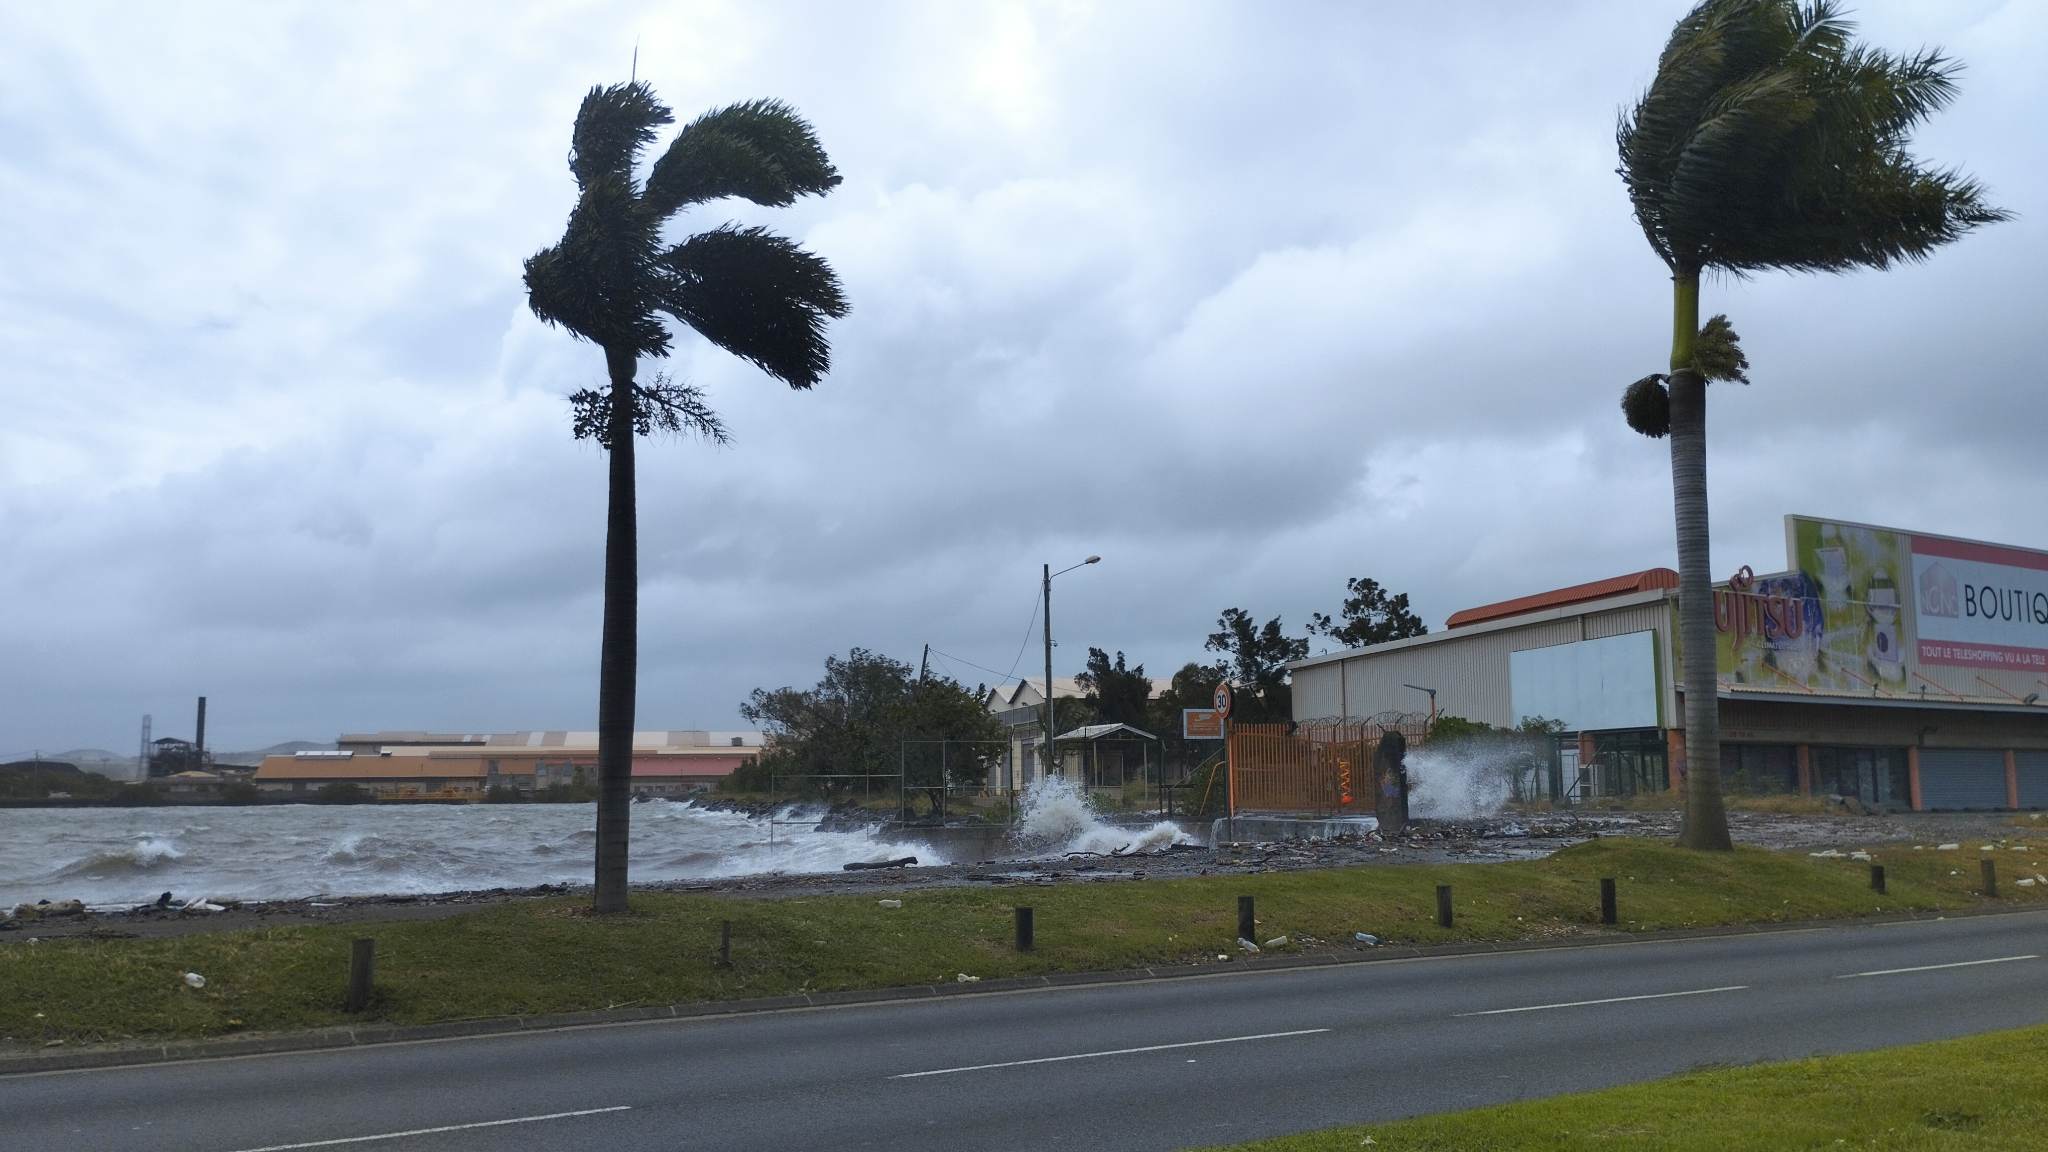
<point x="1247" y="298"/>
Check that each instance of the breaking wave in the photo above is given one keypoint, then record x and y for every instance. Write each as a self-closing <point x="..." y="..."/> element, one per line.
<point x="1056" y="817"/>
<point x="145" y="855"/>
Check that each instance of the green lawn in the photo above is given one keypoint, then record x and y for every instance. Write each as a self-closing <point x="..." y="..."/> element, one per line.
<point x="548" y="956"/>
<point x="1984" y="1093"/>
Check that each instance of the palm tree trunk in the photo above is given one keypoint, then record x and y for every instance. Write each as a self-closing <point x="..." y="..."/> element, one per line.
<point x="1706" y="822"/>
<point x="618" y="665"/>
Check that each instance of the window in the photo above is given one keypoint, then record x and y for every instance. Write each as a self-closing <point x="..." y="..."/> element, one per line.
<point x="1874" y="776"/>
<point x="1759" y="768"/>
<point x="1625" y="763"/>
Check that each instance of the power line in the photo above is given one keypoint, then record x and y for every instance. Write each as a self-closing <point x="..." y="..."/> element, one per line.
<point x="971" y="664"/>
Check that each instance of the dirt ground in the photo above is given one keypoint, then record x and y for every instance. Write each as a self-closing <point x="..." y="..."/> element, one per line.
<point x="1512" y="837"/>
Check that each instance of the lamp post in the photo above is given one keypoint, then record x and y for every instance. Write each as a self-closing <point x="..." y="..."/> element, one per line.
<point x="1431" y="692"/>
<point x="1045" y="762"/>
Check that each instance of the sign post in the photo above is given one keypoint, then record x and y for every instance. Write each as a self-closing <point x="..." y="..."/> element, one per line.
<point x="1223" y="700"/>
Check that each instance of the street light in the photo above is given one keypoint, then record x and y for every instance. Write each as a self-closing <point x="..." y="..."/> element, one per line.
<point x="1047" y="759"/>
<point x="1431" y="693"/>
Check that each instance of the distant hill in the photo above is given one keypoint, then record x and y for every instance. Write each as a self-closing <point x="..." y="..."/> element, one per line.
<point x="251" y="759"/>
<point x="83" y="756"/>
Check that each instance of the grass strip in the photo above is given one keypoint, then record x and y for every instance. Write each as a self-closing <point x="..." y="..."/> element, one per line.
<point x="1984" y="1093"/>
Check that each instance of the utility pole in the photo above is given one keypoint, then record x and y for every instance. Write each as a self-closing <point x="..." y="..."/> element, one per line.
<point x="923" y="662"/>
<point x="1045" y="760"/>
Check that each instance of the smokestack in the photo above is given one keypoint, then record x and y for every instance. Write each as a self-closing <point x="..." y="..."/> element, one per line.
<point x="199" y="737"/>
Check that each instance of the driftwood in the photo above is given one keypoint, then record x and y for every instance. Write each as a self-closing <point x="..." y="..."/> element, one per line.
<point x="866" y="865"/>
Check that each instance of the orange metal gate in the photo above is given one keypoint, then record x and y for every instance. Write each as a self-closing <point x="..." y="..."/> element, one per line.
<point x="1319" y="769"/>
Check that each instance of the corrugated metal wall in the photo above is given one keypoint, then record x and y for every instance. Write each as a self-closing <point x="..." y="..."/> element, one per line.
<point x="1469" y="672"/>
<point x="2033" y="773"/>
<point x="1961" y="778"/>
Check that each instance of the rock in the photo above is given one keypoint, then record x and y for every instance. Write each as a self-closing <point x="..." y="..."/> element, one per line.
<point x="60" y="908"/>
<point x="890" y="903"/>
<point x="164" y="901"/>
<point x="1946" y="847"/>
<point x="194" y="980"/>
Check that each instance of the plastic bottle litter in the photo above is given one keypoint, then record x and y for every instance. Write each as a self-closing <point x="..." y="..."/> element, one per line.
<point x="1859" y="854"/>
<point x="1828" y="854"/>
<point x="1365" y="938"/>
<point x="1244" y="945"/>
<point x="890" y="903"/>
<point x="1277" y="942"/>
<point x="2026" y="883"/>
<point x="194" y="980"/>
<point x="1947" y="847"/>
<point x="964" y="978"/>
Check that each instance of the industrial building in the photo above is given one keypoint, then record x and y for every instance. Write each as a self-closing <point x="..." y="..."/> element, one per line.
<point x="1899" y="669"/>
<point x="466" y="766"/>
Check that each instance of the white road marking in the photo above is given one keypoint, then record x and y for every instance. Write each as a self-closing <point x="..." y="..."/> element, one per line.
<point x="1093" y="1055"/>
<point x="1936" y="967"/>
<point x="1609" y="1000"/>
<point x="443" y="1128"/>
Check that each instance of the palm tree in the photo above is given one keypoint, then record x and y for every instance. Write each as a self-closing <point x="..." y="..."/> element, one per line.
<point x="612" y="278"/>
<point x="1766" y="141"/>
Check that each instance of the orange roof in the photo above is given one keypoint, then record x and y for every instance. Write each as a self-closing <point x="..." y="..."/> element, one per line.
<point x="1644" y="581"/>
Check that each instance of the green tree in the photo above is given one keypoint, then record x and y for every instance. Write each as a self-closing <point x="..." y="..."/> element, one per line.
<point x="612" y="278"/>
<point x="1767" y="140"/>
<point x="1255" y="662"/>
<point x="868" y="718"/>
<point x="1118" y="694"/>
<point x="1371" y="615"/>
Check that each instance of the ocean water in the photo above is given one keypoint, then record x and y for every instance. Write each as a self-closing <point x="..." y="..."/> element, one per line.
<point x="123" y="856"/>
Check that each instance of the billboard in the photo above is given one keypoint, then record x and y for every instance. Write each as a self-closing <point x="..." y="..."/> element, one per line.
<point x="1980" y="605"/>
<point x="1590" y="685"/>
<point x="1863" y="609"/>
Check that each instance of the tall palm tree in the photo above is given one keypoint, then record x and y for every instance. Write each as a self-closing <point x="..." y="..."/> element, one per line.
<point x="1768" y="140"/>
<point x="612" y="278"/>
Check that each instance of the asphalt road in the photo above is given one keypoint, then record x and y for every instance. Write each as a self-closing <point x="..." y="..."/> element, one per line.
<point x="1156" y="1065"/>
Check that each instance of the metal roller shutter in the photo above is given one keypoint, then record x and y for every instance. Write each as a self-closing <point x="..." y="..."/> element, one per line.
<point x="2033" y="768"/>
<point x="1955" y="779"/>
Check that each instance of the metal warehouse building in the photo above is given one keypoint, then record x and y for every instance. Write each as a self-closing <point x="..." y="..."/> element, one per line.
<point x="1901" y="669"/>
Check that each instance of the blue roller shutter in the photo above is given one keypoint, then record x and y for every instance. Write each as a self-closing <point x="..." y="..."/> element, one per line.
<point x="1958" y="779"/>
<point x="2033" y="768"/>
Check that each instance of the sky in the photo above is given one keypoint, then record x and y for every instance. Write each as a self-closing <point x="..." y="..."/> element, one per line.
<point x="1245" y="298"/>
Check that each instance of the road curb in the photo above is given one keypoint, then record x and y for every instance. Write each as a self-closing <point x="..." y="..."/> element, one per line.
<point x="365" y="1035"/>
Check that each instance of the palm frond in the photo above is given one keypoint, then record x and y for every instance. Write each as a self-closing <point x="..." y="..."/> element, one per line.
<point x="1769" y="140"/>
<point x="593" y="281"/>
<point x="756" y="295"/>
<point x="760" y="151"/>
<point x="1717" y="352"/>
<point x="612" y="126"/>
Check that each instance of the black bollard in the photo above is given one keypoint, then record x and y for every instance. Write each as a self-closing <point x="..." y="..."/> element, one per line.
<point x="362" y="974"/>
<point x="725" y="943"/>
<point x="1877" y="878"/>
<point x="1607" y="913"/>
<point x="1024" y="927"/>
<point x="1247" y="924"/>
<point x="1443" y="905"/>
<point x="1990" y="877"/>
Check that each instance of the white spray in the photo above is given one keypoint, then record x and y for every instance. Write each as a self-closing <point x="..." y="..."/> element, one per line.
<point x="1465" y="779"/>
<point x="1054" y="817"/>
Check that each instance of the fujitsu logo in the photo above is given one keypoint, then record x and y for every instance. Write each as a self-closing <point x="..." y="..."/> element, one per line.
<point x="1939" y="594"/>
